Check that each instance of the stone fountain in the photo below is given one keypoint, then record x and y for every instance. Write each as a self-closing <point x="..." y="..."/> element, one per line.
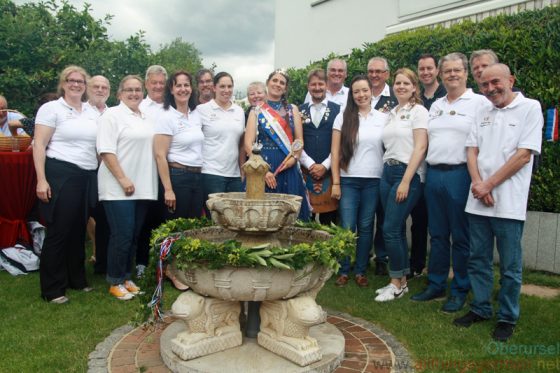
<point x="209" y="314"/>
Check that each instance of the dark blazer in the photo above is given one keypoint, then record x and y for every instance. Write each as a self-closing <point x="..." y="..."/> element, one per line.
<point x="391" y="101"/>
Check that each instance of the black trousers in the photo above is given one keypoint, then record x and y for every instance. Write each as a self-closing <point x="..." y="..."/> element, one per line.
<point x="102" y="233"/>
<point x="152" y="221"/>
<point x="419" y="235"/>
<point x="63" y="255"/>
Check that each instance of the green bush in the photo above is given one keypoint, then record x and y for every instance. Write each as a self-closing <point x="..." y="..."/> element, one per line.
<point x="529" y="42"/>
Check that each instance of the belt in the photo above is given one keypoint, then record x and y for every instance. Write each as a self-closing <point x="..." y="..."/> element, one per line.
<point x="447" y="167"/>
<point x="195" y="170"/>
<point x="394" y="162"/>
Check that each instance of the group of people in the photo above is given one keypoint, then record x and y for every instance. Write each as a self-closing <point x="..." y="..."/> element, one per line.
<point x="458" y="162"/>
<point x="146" y="160"/>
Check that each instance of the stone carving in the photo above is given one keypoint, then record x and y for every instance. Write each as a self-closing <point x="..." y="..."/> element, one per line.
<point x="285" y="329"/>
<point x="212" y="325"/>
<point x="234" y="212"/>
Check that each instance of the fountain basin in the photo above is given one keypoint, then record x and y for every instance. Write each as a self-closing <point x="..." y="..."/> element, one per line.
<point x="258" y="283"/>
<point x="259" y="216"/>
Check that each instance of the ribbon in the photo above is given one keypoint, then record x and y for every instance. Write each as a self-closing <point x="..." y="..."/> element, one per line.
<point x="156" y="303"/>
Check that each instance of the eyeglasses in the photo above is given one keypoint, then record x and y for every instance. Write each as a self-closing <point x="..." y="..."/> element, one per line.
<point x="454" y="71"/>
<point x="206" y="82"/>
<point x="100" y="87"/>
<point x="377" y="72"/>
<point x="131" y="90"/>
<point x="74" y="81"/>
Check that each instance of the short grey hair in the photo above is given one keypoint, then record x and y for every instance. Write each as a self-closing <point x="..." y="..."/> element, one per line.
<point x="382" y="59"/>
<point x="156" y="69"/>
<point x="484" y="52"/>
<point x="337" y="60"/>
<point x="256" y="85"/>
<point x="455" y="56"/>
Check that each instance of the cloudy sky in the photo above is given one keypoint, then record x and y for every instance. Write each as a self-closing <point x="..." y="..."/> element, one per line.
<point x="236" y="35"/>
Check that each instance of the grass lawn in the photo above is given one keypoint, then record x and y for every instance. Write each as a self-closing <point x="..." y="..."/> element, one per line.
<point x="39" y="337"/>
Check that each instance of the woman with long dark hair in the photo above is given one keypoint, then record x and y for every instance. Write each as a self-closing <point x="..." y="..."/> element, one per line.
<point x="276" y="125"/>
<point x="357" y="153"/>
<point x="178" y="150"/>
<point x="405" y="138"/>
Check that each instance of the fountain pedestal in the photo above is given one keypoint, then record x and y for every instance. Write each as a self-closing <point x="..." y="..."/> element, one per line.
<point x="288" y="310"/>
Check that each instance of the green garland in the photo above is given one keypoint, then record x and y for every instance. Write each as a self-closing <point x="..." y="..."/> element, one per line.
<point x="195" y="253"/>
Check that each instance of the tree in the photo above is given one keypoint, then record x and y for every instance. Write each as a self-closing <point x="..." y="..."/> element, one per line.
<point x="39" y="39"/>
<point x="178" y="55"/>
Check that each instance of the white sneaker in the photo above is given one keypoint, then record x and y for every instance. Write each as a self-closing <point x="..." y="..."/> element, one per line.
<point x="381" y="290"/>
<point x="140" y="269"/>
<point x="390" y="292"/>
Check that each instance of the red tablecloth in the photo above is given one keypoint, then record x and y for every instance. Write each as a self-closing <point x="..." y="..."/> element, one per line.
<point x="17" y="195"/>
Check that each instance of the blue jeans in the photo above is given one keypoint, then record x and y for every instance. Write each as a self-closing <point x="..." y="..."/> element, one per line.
<point x="219" y="184"/>
<point x="446" y="193"/>
<point x="358" y="202"/>
<point x="508" y="233"/>
<point x="125" y="218"/>
<point x="394" y="226"/>
<point x="187" y="187"/>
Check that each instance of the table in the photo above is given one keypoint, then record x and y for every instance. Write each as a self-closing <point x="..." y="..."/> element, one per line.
<point x="17" y="196"/>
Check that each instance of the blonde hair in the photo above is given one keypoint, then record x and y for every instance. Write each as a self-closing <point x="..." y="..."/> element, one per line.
<point x="411" y="75"/>
<point x="64" y="75"/>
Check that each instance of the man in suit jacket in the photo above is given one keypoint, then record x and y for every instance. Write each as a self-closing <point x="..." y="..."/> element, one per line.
<point x="378" y="73"/>
<point x="318" y="118"/>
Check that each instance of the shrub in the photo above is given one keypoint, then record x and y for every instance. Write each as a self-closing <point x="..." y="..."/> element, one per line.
<point x="529" y="42"/>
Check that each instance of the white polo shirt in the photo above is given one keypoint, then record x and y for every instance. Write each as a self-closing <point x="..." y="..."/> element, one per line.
<point x="340" y="97"/>
<point x="222" y="131"/>
<point x="130" y="137"/>
<point x="398" y="137"/>
<point x="74" y="134"/>
<point x="151" y="109"/>
<point x="367" y="160"/>
<point x="186" y="136"/>
<point x="498" y="134"/>
<point x="449" y="125"/>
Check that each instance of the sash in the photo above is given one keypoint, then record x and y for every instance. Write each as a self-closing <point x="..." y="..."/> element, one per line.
<point x="275" y="127"/>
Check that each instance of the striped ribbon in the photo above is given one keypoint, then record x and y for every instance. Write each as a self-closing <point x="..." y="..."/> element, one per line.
<point x="156" y="303"/>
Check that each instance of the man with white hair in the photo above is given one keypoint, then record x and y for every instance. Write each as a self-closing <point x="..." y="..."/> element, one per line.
<point x="500" y="149"/>
<point x="156" y="77"/>
<point x="383" y="99"/>
<point x="152" y="107"/>
<point x="336" y="91"/>
<point x="98" y="91"/>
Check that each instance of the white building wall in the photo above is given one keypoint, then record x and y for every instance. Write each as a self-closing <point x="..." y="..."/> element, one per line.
<point x="305" y="33"/>
<point x="308" y="30"/>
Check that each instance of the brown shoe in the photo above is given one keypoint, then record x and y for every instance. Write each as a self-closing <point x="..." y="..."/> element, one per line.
<point x="342" y="280"/>
<point x="361" y="280"/>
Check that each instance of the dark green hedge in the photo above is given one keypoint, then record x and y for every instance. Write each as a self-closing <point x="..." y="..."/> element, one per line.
<point x="529" y="42"/>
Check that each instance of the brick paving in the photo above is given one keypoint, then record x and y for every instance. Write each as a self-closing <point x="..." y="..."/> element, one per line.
<point x="367" y="349"/>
